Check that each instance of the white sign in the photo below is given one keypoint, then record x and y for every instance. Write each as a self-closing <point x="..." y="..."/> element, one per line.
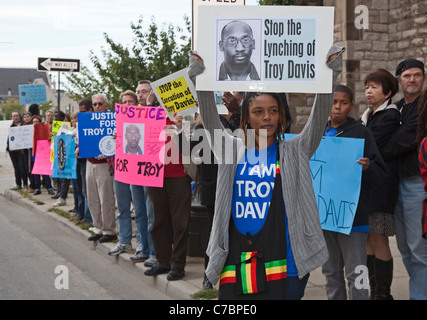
<point x="265" y="48"/>
<point x="21" y="137"/>
<point x="197" y="3"/>
<point x="4" y="132"/>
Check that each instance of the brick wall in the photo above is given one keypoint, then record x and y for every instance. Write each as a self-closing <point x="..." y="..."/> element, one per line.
<point x="397" y="31"/>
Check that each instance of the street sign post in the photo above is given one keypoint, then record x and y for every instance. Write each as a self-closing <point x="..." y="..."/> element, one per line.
<point x="59" y="65"/>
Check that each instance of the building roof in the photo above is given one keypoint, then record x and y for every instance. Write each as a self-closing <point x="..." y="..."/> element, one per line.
<point x="11" y="78"/>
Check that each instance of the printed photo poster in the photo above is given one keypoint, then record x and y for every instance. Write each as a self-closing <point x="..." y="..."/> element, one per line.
<point x="95" y="132"/>
<point x="140" y="141"/>
<point x="21" y="137"/>
<point x="265" y="48"/>
<point x="56" y="126"/>
<point x="195" y="12"/>
<point x="176" y="94"/>
<point x="337" y="179"/>
<point x="42" y="164"/>
<point x="65" y="161"/>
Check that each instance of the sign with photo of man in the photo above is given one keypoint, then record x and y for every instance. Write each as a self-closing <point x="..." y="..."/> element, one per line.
<point x="139" y="147"/>
<point x="265" y="48"/>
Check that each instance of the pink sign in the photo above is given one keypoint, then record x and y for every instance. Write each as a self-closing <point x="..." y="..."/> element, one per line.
<point x="139" y="158"/>
<point x="42" y="164"/>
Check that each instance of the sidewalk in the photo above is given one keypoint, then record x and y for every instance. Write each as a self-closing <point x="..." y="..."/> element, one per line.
<point x="192" y="282"/>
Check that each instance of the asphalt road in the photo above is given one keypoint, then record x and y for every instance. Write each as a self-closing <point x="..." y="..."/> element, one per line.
<point x="41" y="261"/>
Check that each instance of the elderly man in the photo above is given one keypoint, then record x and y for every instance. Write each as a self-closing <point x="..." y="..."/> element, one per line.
<point x="237" y="44"/>
<point x="100" y="192"/>
<point x="413" y="248"/>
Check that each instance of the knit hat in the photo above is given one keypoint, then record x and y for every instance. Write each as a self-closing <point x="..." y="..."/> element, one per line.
<point x="408" y="64"/>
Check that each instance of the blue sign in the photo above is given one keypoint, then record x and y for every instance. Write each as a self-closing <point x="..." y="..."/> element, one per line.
<point x="32" y="93"/>
<point x="96" y="131"/>
<point x="337" y="179"/>
<point x="65" y="161"/>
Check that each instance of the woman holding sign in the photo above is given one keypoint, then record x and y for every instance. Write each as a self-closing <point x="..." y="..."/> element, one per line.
<point x="266" y="236"/>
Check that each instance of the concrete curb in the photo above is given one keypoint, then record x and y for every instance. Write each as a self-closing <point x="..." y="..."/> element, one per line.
<point x="177" y="290"/>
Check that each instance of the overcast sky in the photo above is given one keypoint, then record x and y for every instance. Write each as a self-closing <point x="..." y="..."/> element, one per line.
<point x="70" y="29"/>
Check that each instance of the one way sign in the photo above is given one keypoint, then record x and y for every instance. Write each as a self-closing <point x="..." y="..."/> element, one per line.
<point x="58" y="64"/>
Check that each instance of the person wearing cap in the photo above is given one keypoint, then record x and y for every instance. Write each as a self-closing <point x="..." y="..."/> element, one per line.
<point x="413" y="248"/>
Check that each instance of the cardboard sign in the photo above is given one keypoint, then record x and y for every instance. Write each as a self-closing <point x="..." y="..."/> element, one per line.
<point x="139" y="158"/>
<point x="4" y="132"/>
<point x="96" y="131"/>
<point x="65" y="161"/>
<point x="195" y="20"/>
<point x="32" y="93"/>
<point x="176" y="93"/>
<point x="265" y="48"/>
<point x="42" y="164"/>
<point x="41" y="132"/>
<point x="337" y="179"/>
<point x="21" y="137"/>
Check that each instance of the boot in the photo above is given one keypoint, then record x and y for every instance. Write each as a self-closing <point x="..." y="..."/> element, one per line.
<point x="370" y="263"/>
<point x="383" y="278"/>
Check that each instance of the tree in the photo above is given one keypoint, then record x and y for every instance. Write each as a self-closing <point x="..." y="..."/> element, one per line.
<point x="154" y="54"/>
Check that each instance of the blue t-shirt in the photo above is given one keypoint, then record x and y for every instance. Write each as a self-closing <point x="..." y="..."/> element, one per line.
<point x="252" y="193"/>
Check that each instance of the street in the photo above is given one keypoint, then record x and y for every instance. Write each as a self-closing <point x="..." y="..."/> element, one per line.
<point x="33" y="247"/>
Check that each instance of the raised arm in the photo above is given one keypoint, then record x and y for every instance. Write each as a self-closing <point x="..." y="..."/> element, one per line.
<point x="312" y="133"/>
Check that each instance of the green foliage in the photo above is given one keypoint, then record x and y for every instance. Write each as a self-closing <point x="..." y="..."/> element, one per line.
<point x="154" y="54"/>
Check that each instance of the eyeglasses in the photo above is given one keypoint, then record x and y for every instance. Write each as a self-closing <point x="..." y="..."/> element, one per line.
<point x="143" y="92"/>
<point x="97" y="104"/>
<point x="245" y="41"/>
<point x="133" y="134"/>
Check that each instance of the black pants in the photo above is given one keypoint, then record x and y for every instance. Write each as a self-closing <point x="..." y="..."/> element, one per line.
<point x="18" y="161"/>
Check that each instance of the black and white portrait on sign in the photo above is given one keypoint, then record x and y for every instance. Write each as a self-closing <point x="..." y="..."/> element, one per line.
<point x="238" y="55"/>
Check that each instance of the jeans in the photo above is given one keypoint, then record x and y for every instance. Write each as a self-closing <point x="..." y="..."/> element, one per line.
<point x="87" y="215"/>
<point x="412" y="246"/>
<point x="144" y="217"/>
<point x="123" y="198"/>
<point x="346" y="253"/>
<point x="295" y="287"/>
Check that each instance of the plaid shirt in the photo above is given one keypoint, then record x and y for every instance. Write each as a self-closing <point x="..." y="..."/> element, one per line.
<point x="422" y="158"/>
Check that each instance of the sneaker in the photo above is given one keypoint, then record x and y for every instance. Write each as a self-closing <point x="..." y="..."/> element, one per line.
<point x="176" y="273"/>
<point x="50" y="191"/>
<point x="120" y="248"/>
<point x="37" y="192"/>
<point x="60" y="202"/>
<point x="108" y="238"/>
<point x="156" y="270"/>
<point x="138" y="257"/>
<point x="151" y="261"/>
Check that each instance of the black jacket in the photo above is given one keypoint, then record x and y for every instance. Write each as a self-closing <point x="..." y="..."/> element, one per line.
<point x="403" y="142"/>
<point x="373" y="176"/>
<point x="383" y="125"/>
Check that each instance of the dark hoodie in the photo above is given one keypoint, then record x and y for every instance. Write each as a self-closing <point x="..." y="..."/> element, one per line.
<point x="372" y="177"/>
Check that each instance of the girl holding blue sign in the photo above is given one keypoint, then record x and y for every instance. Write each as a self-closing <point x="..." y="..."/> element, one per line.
<point x="266" y="236"/>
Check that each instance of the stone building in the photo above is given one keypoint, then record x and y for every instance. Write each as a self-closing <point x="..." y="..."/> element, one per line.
<point x="395" y="30"/>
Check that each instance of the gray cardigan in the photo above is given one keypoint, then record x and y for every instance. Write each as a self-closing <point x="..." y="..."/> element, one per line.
<point x="306" y="237"/>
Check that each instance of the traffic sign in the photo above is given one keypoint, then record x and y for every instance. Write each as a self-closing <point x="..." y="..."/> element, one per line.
<point x="58" y="64"/>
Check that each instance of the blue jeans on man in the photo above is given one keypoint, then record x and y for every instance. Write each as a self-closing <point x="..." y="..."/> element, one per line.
<point x="412" y="247"/>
